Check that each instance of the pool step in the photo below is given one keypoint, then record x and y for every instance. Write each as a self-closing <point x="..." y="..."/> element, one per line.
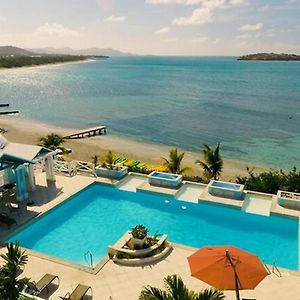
<point x="257" y="204"/>
<point x="190" y="192"/>
<point x="132" y="182"/>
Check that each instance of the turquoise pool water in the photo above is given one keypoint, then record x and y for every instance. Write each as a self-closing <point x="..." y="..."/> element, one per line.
<point x="99" y="215"/>
<point x="164" y="176"/>
<point x="226" y="185"/>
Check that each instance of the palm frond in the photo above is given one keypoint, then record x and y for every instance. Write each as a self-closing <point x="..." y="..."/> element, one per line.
<point x="152" y="293"/>
<point x="177" y="289"/>
<point x="210" y="294"/>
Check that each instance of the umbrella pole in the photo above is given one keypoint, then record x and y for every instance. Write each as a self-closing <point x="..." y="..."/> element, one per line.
<point x="236" y="282"/>
<point x="236" y="279"/>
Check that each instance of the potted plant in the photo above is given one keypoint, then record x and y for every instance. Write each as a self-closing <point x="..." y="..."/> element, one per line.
<point x="139" y="235"/>
<point x="109" y="169"/>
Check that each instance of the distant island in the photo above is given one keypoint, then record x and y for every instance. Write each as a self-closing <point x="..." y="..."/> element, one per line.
<point x="14" y="57"/>
<point x="270" y="56"/>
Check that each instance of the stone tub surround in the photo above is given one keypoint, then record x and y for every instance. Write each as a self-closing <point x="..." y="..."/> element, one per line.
<point x="226" y="189"/>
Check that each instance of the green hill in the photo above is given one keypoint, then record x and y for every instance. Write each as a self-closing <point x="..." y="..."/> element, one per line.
<point x="15" y="51"/>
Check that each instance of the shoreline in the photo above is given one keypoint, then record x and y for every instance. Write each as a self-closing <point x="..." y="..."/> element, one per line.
<point x="28" y="132"/>
<point x="56" y="64"/>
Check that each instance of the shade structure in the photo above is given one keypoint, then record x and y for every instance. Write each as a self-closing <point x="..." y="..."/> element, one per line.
<point x="227" y="268"/>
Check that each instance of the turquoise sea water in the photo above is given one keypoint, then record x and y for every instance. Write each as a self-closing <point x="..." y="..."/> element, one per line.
<point x="252" y="108"/>
<point x="99" y="215"/>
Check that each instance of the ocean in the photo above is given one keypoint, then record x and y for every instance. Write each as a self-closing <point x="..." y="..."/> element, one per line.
<point x="252" y="108"/>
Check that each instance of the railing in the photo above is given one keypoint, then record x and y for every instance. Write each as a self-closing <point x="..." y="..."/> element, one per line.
<point x="64" y="167"/>
<point x="74" y="167"/>
<point x="85" y="167"/>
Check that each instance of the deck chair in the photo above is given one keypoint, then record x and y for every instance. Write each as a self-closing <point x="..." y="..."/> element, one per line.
<point x="78" y="294"/>
<point x="5" y="219"/>
<point x="35" y="288"/>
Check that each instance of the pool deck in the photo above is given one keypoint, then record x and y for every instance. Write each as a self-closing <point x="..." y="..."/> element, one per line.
<point x="120" y="282"/>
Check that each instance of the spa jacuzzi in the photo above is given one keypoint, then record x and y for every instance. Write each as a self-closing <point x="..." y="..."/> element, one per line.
<point x="164" y="179"/>
<point x="226" y="189"/>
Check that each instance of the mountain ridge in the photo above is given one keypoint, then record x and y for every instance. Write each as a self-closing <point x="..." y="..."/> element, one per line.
<point x="88" y="51"/>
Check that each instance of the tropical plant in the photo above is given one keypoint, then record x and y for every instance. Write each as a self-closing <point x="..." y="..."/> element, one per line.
<point x="51" y="141"/>
<point x="139" y="231"/>
<point x="173" y="164"/>
<point x="177" y="290"/>
<point x="108" y="160"/>
<point x="14" y="260"/>
<point x="271" y="181"/>
<point x="213" y="163"/>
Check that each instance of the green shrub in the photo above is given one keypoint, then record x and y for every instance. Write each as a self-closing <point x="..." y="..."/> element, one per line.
<point x="139" y="231"/>
<point x="271" y="181"/>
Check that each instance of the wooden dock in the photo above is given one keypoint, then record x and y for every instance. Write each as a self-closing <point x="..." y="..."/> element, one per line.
<point x="87" y="133"/>
<point x="9" y="112"/>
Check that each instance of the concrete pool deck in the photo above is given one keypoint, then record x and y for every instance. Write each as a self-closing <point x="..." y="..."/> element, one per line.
<point x="121" y="282"/>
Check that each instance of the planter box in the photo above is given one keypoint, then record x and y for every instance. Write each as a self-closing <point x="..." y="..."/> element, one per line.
<point x="111" y="173"/>
<point x="288" y="200"/>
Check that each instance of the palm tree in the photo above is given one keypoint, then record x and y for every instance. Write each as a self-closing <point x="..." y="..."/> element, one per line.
<point x="213" y="163"/>
<point x="174" y="162"/>
<point x="177" y="290"/>
<point x="51" y="141"/>
<point x="14" y="260"/>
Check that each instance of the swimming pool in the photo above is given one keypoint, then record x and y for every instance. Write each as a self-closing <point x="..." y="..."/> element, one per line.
<point x="99" y="215"/>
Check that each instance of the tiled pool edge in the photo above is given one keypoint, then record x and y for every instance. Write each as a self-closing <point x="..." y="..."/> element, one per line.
<point x="91" y="270"/>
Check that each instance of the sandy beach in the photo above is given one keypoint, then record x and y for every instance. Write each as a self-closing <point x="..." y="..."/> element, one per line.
<point x="29" y="132"/>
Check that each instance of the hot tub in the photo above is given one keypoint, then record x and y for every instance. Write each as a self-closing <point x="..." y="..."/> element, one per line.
<point x="164" y="179"/>
<point x="226" y="189"/>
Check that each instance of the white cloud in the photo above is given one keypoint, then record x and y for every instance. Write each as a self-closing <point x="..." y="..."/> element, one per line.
<point x="251" y="27"/>
<point x="163" y="30"/>
<point x="201" y="15"/>
<point x="106" y="4"/>
<point x="236" y="2"/>
<point x="200" y="39"/>
<point x="170" y="40"/>
<point x="115" y="19"/>
<point x="56" y="30"/>
<point x="183" y="2"/>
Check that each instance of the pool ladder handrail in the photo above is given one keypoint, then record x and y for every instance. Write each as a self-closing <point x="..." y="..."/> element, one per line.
<point x="91" y="258"/>
<point x="275" y="269"/>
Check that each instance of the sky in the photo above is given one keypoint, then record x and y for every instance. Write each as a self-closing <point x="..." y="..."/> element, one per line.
<point x="158" y="27"/>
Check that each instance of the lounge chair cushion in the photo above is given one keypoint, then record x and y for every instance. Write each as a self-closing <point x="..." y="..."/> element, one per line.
<point x="78" y="293"/>
<point x="43" y="283"/>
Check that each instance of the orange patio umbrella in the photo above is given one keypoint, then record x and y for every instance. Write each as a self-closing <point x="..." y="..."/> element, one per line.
<point x="227" y="268"/>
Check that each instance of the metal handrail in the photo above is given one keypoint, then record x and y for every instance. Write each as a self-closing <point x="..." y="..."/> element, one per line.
<point x="91" y="258"/>
<point x="276" y="271"/>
